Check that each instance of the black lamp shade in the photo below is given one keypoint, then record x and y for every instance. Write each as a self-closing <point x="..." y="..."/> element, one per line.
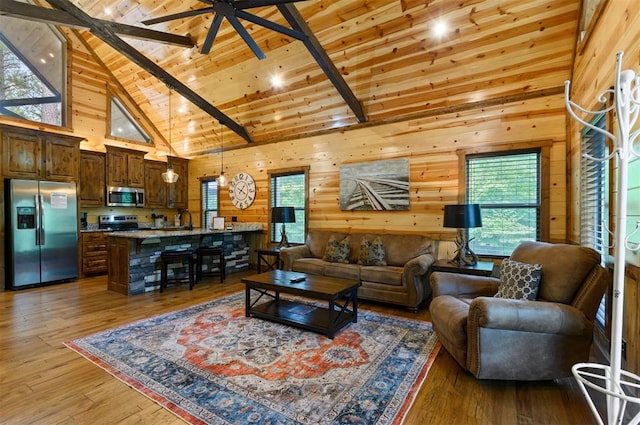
<point x="283" y="215"/>
<point x="462" y="216"/>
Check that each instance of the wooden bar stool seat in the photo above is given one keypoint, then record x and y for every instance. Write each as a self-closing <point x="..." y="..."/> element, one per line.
<point x="214" y="253"/>
<point x="176" y="256"/>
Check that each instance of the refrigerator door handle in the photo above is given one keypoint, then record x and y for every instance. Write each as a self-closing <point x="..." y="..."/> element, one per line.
<point x="36" y="200"/>
<point x="41" y="215"/>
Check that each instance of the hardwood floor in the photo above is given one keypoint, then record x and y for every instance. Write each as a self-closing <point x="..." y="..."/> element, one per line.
<point x="43" y="382"/>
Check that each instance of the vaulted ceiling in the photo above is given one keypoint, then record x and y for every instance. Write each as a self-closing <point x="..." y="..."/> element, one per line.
<point x="384" y="52"/>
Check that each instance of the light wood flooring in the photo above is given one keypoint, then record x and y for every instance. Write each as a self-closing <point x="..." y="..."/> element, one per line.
<point x="43" y="382"/>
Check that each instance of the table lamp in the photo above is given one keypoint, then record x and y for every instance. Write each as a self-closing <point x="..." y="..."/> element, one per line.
<point x="463" y="217"/>
<point x="283" y="215"/>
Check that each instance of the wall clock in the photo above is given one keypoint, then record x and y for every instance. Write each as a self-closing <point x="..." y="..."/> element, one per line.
<point x="242" y="190"/>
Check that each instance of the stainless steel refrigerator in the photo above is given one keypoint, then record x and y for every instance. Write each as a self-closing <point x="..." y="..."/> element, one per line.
<point x="41" y="231"/>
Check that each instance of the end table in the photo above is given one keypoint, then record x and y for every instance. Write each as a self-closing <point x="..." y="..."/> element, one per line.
<point x="269" y="258"/>
<point x="481" y="268"/>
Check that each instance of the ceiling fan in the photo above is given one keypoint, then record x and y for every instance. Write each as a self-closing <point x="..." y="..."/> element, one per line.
<point x="232" y="10"/>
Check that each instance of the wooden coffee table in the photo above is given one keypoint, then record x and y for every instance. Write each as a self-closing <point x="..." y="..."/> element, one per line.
<point x="341" y="295"/>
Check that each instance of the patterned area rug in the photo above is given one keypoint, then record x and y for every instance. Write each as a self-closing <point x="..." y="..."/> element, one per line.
<point x="209" y="364"/>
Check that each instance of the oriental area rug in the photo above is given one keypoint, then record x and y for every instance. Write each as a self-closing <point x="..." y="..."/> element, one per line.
<point x="209" y="364"/>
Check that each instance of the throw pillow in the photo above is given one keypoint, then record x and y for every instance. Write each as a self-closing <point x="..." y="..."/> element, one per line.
<point x="519" y="281"/>
<point x="338" y="252"/>
<point x="372" y="253"/>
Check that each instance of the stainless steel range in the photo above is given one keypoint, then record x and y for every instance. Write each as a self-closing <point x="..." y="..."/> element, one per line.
<point x="118" y="222"/>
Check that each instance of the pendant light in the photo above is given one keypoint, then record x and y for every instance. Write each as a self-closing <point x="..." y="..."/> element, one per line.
<point x="169" y="176"/>
<point x="222" y="180"/>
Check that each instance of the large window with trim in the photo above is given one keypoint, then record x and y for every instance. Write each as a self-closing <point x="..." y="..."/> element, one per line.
<point x="208" y="201"/>
<point x="289" y="189"/>
<point x="32" y="71"/>
<point x="507" y="186"/>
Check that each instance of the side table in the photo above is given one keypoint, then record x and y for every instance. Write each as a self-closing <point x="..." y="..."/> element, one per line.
<point x="269" y="258"/>
<point x="481" y="268"/>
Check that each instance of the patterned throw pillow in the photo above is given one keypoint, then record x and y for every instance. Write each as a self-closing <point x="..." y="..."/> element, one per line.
<point x="372" y="253"/>
<point x="338" y="252"/>
<point x="519" y="281"/>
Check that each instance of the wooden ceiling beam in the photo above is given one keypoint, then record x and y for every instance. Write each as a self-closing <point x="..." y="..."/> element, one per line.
<point x="45" y="15"/>
<point x="106" y="34"/>
<point x="297" y="22"/>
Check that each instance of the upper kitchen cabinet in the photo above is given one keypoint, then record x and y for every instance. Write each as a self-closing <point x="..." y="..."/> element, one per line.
<point x="35" y="154"/>
<point x="155" y="188"/>
<point x="92" y="179"/>
<point x="125" y="167"/>
<point x="179" y="191"/>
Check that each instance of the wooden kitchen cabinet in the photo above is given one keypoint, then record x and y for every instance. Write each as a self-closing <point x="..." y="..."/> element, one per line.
<point x="155" y="188"/>
<point x="35" y="154"/>
<point x="179" y="192"/>
<point x="125" y="167"/>
<point x="92" y="179"/>
<point x="94" y="253"/>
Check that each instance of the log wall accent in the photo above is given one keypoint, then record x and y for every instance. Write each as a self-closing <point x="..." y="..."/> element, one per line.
<point x="430" y="144"/>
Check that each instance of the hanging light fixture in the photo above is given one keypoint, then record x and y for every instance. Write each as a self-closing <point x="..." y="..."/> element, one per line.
<point x="169" y="176"/>
<point x="222" y="180"/>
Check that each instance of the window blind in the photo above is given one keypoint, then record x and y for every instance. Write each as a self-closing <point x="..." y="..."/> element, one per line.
<point x="289" y="190"/>
<point x="507" y="186"/>
<point x="209" y="202"/>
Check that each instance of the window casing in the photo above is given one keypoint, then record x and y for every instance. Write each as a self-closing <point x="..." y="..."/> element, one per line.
<point x="209" y="204"/>
<point x="508" y="187"/>
<point x="289" y="189"/>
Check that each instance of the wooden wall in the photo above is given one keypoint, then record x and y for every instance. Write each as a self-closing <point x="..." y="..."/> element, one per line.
<point x="430" y="144"/>
<point x="617" y="29"/>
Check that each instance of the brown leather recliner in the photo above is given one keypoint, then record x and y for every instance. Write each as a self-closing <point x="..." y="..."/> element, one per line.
<point x="497" y="338"/>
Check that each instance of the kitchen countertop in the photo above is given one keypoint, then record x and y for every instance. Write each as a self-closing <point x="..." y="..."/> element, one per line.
<point x="169" y="233"/>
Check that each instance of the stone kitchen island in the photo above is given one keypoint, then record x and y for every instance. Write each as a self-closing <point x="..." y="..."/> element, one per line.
<point x="133" y="257"/>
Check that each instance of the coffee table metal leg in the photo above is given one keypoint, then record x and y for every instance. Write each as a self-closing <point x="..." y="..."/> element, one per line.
<point x="332" y="319"/>
<point x="247" y="300"/>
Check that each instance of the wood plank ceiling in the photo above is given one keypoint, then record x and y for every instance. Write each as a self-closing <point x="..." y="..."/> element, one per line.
<point x="493" y="51"/>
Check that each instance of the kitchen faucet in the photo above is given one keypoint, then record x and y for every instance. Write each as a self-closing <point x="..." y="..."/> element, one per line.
<point x="190" y="227"/>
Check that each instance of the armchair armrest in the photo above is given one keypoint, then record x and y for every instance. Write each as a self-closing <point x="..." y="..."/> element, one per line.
<point x="527" y="316"/>
<point x="463" y="285"/>
<point x="290" y="254"/>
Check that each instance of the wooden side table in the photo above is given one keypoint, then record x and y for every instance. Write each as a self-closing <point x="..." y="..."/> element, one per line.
<point x="481" y="268"/>
<point x="269" y="258"/>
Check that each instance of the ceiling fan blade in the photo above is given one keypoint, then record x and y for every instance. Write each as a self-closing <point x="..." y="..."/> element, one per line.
<point x="177" y="16"/>
<point x="248" y="4"/>
<point x="245" y="36"/>
<point x="211" y="35"/>
<point x="270" y="25"/>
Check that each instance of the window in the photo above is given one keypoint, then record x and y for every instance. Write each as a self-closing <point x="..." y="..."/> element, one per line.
<point x="507" y="186"/>
<point x="594" y="197"/>
<point x="32" y="71"/>
<point x="209" y="201"/>
<point x="122" y="125"/>
<point x="289" y="189"/>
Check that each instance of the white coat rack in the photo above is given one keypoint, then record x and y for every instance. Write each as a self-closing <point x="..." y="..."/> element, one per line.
<point x="619" y="386"/>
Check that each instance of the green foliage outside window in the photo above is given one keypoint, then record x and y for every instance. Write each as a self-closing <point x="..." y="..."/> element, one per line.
<point x="289" y="191"/>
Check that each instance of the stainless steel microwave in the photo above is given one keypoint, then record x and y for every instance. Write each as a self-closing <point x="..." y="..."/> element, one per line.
<point x="125" y="197"/>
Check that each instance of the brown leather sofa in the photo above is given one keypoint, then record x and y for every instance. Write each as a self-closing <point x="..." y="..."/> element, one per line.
<point x="403" y="281"/>
<point x="498" y="338"/>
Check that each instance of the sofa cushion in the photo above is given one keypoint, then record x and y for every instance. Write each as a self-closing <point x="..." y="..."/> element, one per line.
<point x="343" y="271"/>
<point x="309" y="265"/>
<point x="338" y="252"/>
<point x="402" y="248"/>
<point x="372" y="253"/>
<point x="564" y="266"/>
<point x="519" y="281"/>
<point x="317" y="241"/>
<point x="387" y="275"/>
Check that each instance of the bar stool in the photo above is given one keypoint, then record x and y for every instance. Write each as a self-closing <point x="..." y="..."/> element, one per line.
<point x="176" y="256"/>
<point x="213" y="252"/>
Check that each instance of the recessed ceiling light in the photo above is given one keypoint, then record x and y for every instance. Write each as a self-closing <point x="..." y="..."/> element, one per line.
<point x="276" y="81"/>
<point x="107" y="11"/>
<point x="440" y="28"/>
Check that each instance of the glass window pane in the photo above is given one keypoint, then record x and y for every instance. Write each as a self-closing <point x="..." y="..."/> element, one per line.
<point x="288" y="190"/>
<point x="507" y="187"/>
<point x="123" y="125"/>
<point x="209" y="202"/>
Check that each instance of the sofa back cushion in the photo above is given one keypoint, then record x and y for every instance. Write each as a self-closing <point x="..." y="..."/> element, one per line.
<point x="564" y="267"/>
<point x="398" y="248"/>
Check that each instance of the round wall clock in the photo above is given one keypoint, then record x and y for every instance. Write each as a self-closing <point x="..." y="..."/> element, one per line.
<point x="242" y="190"/>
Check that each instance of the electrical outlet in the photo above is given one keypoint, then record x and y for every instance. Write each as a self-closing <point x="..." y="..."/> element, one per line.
<point x="624" y="350"/>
